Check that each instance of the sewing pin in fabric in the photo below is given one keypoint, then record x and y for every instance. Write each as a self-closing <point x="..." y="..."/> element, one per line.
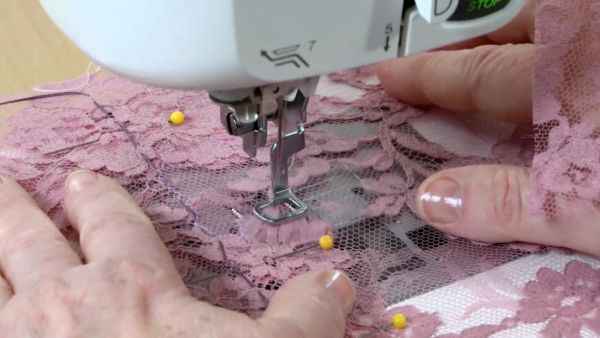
<point x="71" y="147"/>
<point x="399" y="321"/>
<point x="295" y="252"/>
<point x="177" y="118"/>
<point x="325" y="242"/>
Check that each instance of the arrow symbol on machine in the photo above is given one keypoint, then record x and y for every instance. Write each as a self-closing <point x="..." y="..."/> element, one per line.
<point x="387" y="43"/>
<point x="291" y="59"/>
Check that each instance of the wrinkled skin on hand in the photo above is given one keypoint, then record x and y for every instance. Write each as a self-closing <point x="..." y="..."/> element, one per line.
<point x="490" y="76"/>
<point x="127" y="285"/>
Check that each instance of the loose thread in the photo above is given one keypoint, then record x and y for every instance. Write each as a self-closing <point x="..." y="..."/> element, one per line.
<point x="43" y="96"/>
<point x="86" y="78"/>
<point x="164" y="180"/>
<point x="71" y="147"/>
<point x="151" y="165"/>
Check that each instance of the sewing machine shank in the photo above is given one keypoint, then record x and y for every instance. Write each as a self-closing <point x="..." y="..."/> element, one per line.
<point x="246" y="114"/>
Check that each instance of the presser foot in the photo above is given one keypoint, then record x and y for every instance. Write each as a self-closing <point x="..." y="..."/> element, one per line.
<point x="283" y="207"/>
<point x="245" y="113"/>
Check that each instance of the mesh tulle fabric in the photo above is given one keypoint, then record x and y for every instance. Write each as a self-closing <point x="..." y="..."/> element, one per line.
<point x="365" y="157"/>
<point x="566" y="167"/>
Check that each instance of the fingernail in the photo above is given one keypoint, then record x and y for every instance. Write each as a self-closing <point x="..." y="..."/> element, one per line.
<point x="441" y="201"/>
<point x="80" y="180"/>
<point x="338" y="283"/>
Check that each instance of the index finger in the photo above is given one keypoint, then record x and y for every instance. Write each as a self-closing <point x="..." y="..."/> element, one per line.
<point x="486" y="75"/>
<point x="111" y="225"/>
<point x="495" y="81"/>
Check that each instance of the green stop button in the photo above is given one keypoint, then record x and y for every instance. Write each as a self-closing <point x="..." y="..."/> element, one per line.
<point x="475" y="9"/>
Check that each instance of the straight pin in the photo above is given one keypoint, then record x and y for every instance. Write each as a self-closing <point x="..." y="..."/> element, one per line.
<point x="71" y="147"/>
<point x="325" y="242"/>
<point x="296" y="252"/>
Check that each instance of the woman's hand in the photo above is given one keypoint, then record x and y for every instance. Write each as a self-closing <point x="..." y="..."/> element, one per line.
<point x="490" y="203"/>
<point x="128" y="286"/>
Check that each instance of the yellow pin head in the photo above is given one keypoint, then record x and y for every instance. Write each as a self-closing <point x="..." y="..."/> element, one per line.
<point x="177" y="118"/>
<point x="326" y="242"/>
<point x="399" y="321"/>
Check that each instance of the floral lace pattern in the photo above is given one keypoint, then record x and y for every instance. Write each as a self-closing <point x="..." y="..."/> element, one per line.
<point x="568" y="300"/>
<point x="567" y="105"/>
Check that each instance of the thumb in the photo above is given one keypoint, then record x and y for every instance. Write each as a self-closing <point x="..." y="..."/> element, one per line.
<point x="310" y="305"/>
<point x="490" y="203"/>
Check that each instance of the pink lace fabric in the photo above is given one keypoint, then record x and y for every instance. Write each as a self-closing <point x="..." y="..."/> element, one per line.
<point x="366" y="155"/>
<point x="566" y="167"/>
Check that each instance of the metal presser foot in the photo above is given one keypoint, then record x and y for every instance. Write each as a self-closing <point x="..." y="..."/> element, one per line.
<point x="290" y="140"/>
<point x="245" y="113"/>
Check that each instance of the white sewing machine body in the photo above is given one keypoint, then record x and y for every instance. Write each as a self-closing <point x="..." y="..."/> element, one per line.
<point x="228" y="44"/>
<point x="261" y="59"/>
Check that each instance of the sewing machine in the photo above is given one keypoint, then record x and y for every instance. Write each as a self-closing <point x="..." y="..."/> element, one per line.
<point x="261" y="59"/>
